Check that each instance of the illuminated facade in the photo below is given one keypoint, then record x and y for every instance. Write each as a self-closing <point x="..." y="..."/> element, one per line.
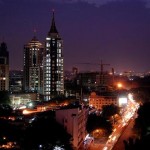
<point x="4" y="67"/>
<point x="33" y="66"/>
<point x="15" y="81"/>
<point x="99" y="101"/>
<point x="53" y="64"/>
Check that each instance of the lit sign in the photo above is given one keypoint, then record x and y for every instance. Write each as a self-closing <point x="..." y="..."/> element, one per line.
<point x="122" y="101"/>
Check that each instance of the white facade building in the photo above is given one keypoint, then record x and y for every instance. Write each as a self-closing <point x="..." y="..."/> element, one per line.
<point x="74" y="121"/>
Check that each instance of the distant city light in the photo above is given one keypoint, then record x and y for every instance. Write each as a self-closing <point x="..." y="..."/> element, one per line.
<point x="22" y="107"/>
<point x="30" y="104"/>
<point x="25" y="112"/>
<point x="58" y="148"/>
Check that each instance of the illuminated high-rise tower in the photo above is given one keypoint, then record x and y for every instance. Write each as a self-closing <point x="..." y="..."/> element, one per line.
<point x="53" y="64"/>
<point x="4" y="67"/>
<point x="33" y="66"/>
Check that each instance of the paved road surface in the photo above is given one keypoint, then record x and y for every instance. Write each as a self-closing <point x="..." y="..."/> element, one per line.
<point x="127" y="132"/>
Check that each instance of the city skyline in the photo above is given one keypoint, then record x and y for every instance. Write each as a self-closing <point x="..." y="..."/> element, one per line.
<point x="116" y="32"/>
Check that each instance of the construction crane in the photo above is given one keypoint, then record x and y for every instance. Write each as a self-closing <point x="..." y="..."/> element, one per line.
<point x="102" y="78"/>
<point x="101" y="65"/>
<point x="102" y="74"/>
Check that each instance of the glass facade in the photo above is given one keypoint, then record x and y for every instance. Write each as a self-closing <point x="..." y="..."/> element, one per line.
<point x="33" y="66"/>
<point x="53" y="64"/>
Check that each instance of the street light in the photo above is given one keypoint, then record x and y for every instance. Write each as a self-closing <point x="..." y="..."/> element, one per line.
<point x="119" y="85"/>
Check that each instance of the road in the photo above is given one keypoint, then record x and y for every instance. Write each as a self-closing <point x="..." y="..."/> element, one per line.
<point x="122" y="131"/>
<point x="116" y="139"/>
<point x="126" y="133"/>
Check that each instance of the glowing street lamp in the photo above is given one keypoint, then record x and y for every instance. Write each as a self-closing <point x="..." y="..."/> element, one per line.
<point x="119" y="85"/>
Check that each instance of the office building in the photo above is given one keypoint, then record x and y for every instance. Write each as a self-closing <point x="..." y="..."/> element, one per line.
<point x="53" y="64"/>
<point x="33" y="66"/>
<point x="4" y="67"/>
<point x="15" y="81"/>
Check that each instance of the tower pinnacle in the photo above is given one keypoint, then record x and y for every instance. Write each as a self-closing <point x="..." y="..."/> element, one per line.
<point x="53" y="26"/>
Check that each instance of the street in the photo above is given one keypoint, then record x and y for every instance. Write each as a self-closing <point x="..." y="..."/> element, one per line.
<point x="122" y="130"/>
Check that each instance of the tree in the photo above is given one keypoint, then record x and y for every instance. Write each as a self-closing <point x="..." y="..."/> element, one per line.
<point x="109" y="110"/>
<point x="4" y="97"/>
<point x="5" y="110"/>
<point x="137" y="144"/>
<point x="97" y="122"/>
<point x="142" y="122"/>
<point x="46" y="132"/>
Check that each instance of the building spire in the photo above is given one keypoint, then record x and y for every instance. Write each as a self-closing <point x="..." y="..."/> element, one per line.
<point x="53" y="26"/>
<point x="34" y="32"/>
<point x="34" y="35"/>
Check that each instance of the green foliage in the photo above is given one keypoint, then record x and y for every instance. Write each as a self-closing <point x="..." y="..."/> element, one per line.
<point x="142" y="122"/>
<point x="48" y="132"/>
<point x="138" y="144"/>
<point x="95" y="122"/>
<point x="4" y="97"/>
<point x="44" y="130"/>
<point x="10" y="131"/>
<point x="110" y="110"/>
<point x="5" y="110"/>
<point x="142" y="94"/>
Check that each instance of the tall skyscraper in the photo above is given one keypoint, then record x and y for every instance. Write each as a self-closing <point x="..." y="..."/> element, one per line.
<point x="33" y="66"/>
<point x="53" y="64"/>
<point x="4" y="67"/>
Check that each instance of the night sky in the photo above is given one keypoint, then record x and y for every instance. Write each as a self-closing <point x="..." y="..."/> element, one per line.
<point x="115" y="31"/>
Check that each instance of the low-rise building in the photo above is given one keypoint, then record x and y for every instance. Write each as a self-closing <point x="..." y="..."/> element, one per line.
<point x="22" y="98"/>
<point x="74" y="121"/>
<point x="98" y="101"/>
